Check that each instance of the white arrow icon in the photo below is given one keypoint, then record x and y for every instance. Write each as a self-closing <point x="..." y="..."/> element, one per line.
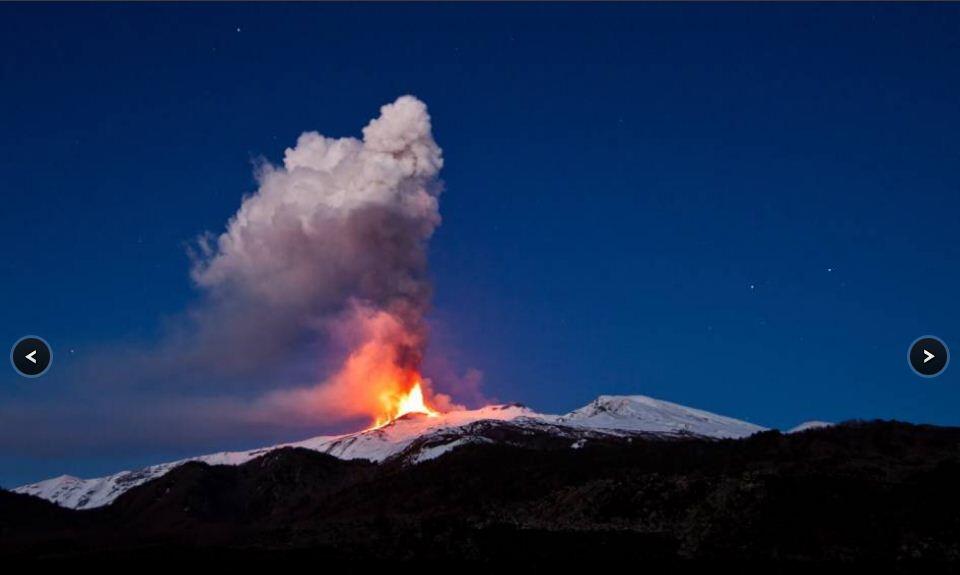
<point x="929" y="356"/>
<point x="34" y="352"/>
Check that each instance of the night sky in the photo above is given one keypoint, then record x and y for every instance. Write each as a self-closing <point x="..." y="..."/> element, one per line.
<point x="750" y="209"/>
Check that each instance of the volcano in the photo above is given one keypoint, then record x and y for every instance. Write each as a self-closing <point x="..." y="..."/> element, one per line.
<point x="417" y="437"/>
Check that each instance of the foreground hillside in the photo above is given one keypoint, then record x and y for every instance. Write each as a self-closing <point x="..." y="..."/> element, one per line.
<point x="873" y="491"/>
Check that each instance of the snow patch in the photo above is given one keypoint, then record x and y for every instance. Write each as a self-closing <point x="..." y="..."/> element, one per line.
<point x="810" y="425"/>
<point x="436" y="451"/>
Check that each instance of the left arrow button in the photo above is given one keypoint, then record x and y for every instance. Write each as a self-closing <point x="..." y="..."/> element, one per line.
<point x="31" y="356"/>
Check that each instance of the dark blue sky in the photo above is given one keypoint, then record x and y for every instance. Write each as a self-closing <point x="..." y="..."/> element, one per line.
<point x="751" y="209"/>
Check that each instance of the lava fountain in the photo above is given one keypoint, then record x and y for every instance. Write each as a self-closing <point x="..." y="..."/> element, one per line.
<point x="396" y="405"/>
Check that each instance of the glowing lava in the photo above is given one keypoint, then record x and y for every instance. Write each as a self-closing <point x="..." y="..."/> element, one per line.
<point x="398" y="405"/>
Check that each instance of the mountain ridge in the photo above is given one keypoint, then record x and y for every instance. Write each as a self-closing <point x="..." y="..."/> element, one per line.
<point x="416" y="438"/>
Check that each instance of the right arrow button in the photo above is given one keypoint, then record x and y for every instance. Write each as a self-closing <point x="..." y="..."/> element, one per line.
<point x="928" y="356"/>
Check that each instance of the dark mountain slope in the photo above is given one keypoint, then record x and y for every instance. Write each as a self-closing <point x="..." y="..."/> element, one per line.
<point x="860" y="491"/>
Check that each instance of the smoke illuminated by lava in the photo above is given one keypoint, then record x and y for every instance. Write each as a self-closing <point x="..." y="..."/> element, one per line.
<point x="379" y="379"/>
<point x="381" y="376"/>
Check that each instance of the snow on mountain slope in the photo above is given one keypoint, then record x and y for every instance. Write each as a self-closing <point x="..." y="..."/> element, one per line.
<point x="373" y="444"/>
<point x="382" y="442"/>
<point x="430" y="437"/>
<point x="641" y="413"/>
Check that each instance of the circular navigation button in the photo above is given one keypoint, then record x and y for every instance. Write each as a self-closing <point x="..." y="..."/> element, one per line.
<point x="31" y="356"/>
<point x="929" y="356"/>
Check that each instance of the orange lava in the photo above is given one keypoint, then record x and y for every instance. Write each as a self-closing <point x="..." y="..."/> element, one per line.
<point x="398" y="404"/>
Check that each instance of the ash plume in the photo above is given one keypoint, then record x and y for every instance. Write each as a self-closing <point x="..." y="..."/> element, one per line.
<point x="333" y="243"/>
<point x="343" y="223"/>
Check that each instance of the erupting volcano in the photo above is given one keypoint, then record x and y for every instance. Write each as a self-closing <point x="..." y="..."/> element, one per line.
<point x="396" y="405"/>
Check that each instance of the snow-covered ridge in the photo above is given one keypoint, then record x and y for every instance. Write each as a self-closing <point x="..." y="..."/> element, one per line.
<point x="642" y="413"/>
<point x="809" y="425"/>
<point x="608" y="415"/>
<point x="373" y="444"/>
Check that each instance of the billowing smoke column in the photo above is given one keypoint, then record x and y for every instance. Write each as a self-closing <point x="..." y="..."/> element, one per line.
<point x="335" y="242"/>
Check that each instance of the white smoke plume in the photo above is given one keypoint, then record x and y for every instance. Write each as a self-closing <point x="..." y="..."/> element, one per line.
<point x="342" y="218"/>
<point x="342" y="223"/>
